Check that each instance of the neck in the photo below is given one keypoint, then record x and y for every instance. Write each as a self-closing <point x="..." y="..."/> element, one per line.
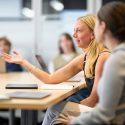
<point x="111" y="43"/>
<point x="88" y="47"/>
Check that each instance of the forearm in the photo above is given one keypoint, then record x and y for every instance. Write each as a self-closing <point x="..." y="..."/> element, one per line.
<point x="90" y="101"/>
<point x="43" y="76"/>
<point x="55" y="78"/>
<point x="59" y="76"/>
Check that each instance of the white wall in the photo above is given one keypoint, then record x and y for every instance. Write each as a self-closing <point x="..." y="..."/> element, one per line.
<point x="10" y="8"/>
<point x="22" y="36"/>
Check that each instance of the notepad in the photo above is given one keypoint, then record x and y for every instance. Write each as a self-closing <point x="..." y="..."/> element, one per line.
<point x="75" y="79"/>
<point x="57" y="86"/>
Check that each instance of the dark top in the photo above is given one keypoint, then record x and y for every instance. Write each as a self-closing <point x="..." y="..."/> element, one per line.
<point x="11" y="67"/>
<point x="89" y="81"/>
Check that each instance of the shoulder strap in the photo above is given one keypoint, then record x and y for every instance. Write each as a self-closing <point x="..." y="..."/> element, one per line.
<point x="84" y="62"/>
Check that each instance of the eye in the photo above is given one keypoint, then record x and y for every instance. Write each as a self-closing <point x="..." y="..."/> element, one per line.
<point x="77" y="30"/>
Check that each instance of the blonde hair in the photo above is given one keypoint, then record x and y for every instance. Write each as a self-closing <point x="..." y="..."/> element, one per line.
<point x="94" y="48"/>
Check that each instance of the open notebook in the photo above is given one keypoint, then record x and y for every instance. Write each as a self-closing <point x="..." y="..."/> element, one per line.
<point x="56" y="86"/>
<point x="74" y="79"/>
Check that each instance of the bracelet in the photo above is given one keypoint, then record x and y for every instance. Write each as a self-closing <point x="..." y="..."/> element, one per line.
<point x="32" y="69"/>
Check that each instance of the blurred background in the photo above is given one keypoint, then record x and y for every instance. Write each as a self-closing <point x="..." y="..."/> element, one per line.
<point x="34" y="26"/>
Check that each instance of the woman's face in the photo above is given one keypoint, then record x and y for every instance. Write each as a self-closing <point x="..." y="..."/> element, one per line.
<point x="65" y="44"/>
<point x="82" y="34"/>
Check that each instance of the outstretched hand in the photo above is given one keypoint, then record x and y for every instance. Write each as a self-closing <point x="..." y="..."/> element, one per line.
<point x="14" y="58"/>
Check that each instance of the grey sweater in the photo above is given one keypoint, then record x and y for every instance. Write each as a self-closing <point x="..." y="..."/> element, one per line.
<point x="111" y="92"/>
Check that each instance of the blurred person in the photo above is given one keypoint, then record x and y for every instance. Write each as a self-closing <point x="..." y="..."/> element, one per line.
<point x="67" y="52"/>
<point x="91" y="62"/>
<point x="5" y="46"/>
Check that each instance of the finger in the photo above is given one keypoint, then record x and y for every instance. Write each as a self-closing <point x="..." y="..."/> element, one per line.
<point x="7" y="59"/>
<point x="6" y="55"/>
<point x="63" y="115"/>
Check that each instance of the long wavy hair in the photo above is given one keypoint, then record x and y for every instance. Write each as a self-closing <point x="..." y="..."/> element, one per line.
<point x="94" y="48"/>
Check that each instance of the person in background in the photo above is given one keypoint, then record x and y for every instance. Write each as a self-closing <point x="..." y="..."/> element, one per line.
<point x="5" y="46"/>
<point x="91" y="62"/>
<point x="67" y="52"/>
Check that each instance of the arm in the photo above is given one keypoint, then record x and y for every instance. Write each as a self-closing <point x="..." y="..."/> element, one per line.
<point x="60" y="75"/>
<point x="93" y="98"/>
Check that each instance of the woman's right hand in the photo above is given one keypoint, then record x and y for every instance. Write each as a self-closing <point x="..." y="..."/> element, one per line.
<point x="14" y="58"/>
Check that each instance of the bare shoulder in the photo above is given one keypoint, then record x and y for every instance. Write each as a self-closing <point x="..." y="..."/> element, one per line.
<point x="100" y="63"/>
<point x="102" y="59"/>
<point x="104" y="56"/>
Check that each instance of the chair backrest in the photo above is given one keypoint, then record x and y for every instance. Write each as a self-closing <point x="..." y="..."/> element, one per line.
<point x="41" y="62"/>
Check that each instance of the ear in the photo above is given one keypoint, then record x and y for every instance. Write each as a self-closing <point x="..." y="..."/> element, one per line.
<point x="92" y="36"/>
<point x="103" y="27"/>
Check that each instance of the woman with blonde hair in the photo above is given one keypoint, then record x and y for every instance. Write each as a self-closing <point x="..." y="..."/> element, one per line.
<point x="91" y="63"/>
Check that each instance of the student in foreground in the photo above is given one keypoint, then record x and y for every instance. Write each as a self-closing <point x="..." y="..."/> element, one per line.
<point x="110" y="28"/>
<point x="91" y="63"/>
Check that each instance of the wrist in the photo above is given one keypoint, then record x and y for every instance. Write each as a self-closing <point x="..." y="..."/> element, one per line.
<point x="31" y="68"/>
<point x="23" y="62"/>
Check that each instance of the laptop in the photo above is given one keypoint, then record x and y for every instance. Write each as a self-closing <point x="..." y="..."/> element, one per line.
<point x="2" y="66"/>
<point x="28" y="95"/>
<point x="41" y="62"/>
